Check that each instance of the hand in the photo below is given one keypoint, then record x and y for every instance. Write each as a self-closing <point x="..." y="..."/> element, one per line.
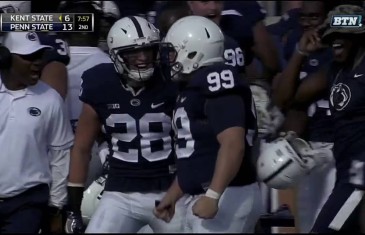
<point x="205" y="207"/>
<point x="165" y="209"/>
<point x="55" y="224"/>
<point x="310" y="42"/>
<point x="74" y="223"/>
<point x="289" y="135"/>
<point x="318" y="159"/>
<point x="272" y="124"/>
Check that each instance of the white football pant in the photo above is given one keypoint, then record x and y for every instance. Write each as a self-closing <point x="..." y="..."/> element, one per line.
<point x="313" y="191"/>
<point x="239" y="211"/>
<point x="129" y="212"/>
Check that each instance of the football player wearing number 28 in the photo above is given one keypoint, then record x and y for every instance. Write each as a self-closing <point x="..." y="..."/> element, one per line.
<point x="215" y="125"/>
<point x="130" y="102"/>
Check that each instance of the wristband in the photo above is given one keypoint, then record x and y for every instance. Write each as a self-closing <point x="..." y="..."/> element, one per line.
<point x="212" y="194"/>
<point x="75" y="185"/>
<point x="300" y="51"/>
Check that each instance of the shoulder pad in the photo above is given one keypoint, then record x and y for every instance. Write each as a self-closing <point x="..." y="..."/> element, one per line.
<point x="94" y="80"/>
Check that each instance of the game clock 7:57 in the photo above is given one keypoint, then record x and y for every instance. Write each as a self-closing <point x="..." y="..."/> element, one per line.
<point x="83" y="18"/>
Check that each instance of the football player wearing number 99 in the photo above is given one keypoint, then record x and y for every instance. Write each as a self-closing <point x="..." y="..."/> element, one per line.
<point x="215" y="125"/>
<point x="130" y="102"/>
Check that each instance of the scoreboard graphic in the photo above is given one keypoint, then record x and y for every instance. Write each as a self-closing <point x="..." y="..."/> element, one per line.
<point x="33" y="22"/>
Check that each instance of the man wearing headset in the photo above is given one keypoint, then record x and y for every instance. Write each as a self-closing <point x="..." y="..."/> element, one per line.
<point x="35" y="138"/>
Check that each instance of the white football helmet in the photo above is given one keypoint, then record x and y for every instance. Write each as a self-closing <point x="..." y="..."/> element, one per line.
<point x="15" y="6"/>
<point x="198" y="42"/>
<point x="130" y="34"/>
<point x="91" y="199"/>
<point x="282" y="162"/>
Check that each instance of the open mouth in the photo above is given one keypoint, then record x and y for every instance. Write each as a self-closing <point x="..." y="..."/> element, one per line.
<point x="338" y="47"/>
<point x="212" y="16"/>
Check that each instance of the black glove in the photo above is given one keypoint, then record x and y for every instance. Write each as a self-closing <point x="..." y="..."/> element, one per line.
<point x="74" y="223"/>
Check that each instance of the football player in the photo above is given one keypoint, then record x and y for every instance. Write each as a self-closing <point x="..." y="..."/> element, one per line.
<point x="244" y="21"/>
<point x="132" y="104"/>
<point x="84" y="54"/>
<point x="54" y="71"/>
<point x="343" y="80"/>
<point x="215" y="125"/>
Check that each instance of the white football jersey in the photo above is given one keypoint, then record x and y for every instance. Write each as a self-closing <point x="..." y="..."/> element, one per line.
<point x="82" y="59"/>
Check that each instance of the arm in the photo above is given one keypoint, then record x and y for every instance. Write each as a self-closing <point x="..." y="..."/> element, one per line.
<point x="165" y="209"/>
<point x="55" y="75"/>
<point x="175" y="191"/>
<point x="60" y="141"/>
<point x="296" y="120"/>
<point x="230" y="129"/>
<point x="60" y="160"/>
<point x="265" y="50"/>
<point x="308" y="92"/>
<point x="288" y="80"/>
<point x="311" y="89"/>
<point x="230" y="156"/>
<point x="87" y="131"/>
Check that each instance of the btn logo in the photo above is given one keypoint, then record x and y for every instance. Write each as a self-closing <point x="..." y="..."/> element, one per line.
<point x="33" y="111"/>
<point x="346" y="21"/>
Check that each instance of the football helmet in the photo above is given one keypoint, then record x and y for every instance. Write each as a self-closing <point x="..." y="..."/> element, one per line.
<point x="91" y="199"/>
<point x="283" y="162"/>
<point x="197" y="42"/>
<point x="132" y="35"/>
<point x="15" y="6"/>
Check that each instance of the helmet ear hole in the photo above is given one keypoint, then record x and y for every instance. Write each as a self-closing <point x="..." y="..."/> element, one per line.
<point x="191" y="55"/>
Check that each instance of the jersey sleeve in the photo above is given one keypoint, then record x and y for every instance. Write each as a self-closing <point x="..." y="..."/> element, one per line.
<point x="88" y="86"/>
<point x="233" y="108"/>
<point x="60" y="51"/>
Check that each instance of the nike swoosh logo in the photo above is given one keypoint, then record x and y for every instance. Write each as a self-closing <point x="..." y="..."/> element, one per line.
<point x="156" y="105"/>
<point x="357" y="75"/>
